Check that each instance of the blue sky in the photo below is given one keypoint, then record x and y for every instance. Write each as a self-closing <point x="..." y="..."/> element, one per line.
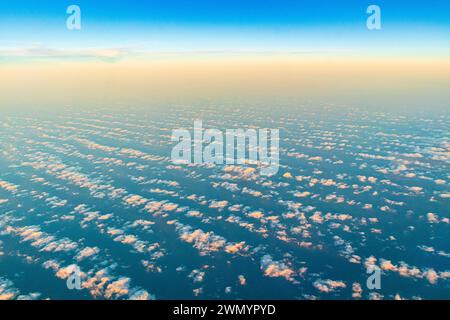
<point x="232" y="12"/>
<point x="309" y="25"/>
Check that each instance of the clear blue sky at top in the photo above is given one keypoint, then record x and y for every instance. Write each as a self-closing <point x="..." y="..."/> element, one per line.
<point x="232" y="12"/>
<point x="259" y="23"/>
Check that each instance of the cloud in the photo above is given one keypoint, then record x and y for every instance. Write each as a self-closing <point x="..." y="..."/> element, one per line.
<point x="64" y="244"/>
<point x="302" y="194"/>
<point x="431" y="276"/>
<point x="256" y="214"/>
<point x="197" y="275"/>
<point x="7" y="290"/>
<point x="41" y="52"/>
<point x="236" y="247"/>
<point x="328" y="285"/>
<point x="432" y="217"/>
<point x="8" y="186"/>
<point x="218" y="204"/>
<point x="135" y="200"/>
<point x="205" y="242"/>
<point x="66" y="272"/>
<point x="287" y="175"/>
<point x="118" y="288"/>
<point x="275" y="269"/>
<point x="316" y="217"/>
<point x="387" y="265"/>
<point x="87" y="252"/>
<point x="357" y="290"/>
<point x="141" y="295"/>
<point x="43" y="240"/>
<point x="96" y="284"/>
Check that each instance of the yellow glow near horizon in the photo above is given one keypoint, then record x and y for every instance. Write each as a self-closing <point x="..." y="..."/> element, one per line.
<point x="56" y="83"/>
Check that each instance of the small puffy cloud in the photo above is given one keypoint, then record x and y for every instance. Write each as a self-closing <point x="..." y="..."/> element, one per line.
<point x="235" y="247"/>
<point x="197" y="275"/>
<point x="357" y="290"/>
<point x="316" y="217"/>
<point x="432" y="217"/>
<point x="141" y="295"/>
<point x="242" y="280"/>
<point x="287" y="175"/>
<point x="218" y="204"/>
<point x="61" y="245"/>
<point x="431" y="276"/>
<point x="8" y="186"/>
<point x="274" y="269"/>
<point x="135" y="200"/>
<point x="302" y="194"/>
<point x="205" y="242"/>
<point x="86" y="253"/>
<point x="256" y="214"/>
<point x="7" y="290"/>
<point x="66" y="272"/>
<point x="387" y="265"/>
<point x="118" y="288"/>
<point x="328" y="285"/>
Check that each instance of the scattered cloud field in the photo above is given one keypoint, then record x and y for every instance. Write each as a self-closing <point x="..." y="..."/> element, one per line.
<point x="97" y="190"/>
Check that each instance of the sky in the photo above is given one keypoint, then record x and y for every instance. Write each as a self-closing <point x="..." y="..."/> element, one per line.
<point x="129" y="51"/>
<point x="320" y="26"/>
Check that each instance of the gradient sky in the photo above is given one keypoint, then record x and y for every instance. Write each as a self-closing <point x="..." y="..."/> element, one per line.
<point x="131" y="51"/>
<point x="339" y="27"/>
